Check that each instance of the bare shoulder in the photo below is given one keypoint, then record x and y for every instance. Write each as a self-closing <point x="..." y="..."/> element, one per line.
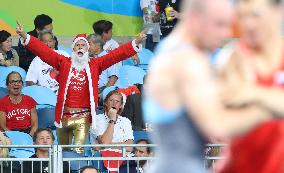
<point x="168" y="72"/>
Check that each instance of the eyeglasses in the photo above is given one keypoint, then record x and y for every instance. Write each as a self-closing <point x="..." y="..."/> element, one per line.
<point x="13" y="82"/>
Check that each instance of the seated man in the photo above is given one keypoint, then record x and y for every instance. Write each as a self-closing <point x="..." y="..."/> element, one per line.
<point x="109" y="76"/>
<point x="137" y="166"/>
<point x="43" y="136"/>
<point x="42" y="23"/>
<point x="111" y="128"/>
<point x="39" y="72"/>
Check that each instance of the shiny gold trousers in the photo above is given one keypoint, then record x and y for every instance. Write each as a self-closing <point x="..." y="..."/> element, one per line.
<point x="77" y="124"/>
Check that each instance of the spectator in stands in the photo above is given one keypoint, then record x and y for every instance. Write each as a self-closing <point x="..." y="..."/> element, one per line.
<point x="109" y="76"/>
<point x="167" y="25"/>
<point x="137" y="166"/>
<point x="104" y="29"/>
<point x="17" y="111"/>
<point x="43" y="136"/>
<point x="78" y="79"/>
<point x="40" y="73"/>
<point x="4" y="153"/>
<point x="89" y="169"/>
<point x="151" y="17"/>
<point x="133" y="110"/>
<point x="111" y="128"/>
<point x="8" y="55"/>
<point x="41" y="22"/>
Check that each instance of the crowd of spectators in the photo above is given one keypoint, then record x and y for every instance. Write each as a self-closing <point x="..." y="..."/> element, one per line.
<point x="121" y="108"/>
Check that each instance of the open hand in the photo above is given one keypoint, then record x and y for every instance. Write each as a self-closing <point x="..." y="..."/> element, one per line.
<point x="20" y="31"/>
<point x="174" y="14"/>
<point x="141" y="37"/>
<point x="136" y="59"/>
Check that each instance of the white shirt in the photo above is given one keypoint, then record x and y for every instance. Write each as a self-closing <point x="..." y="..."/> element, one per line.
<point x="110" y="45"/>
<point x="122" y="129"/>
<point x="151" y="5"/>
<point x="43" y="74"/>
<point x="106" y="74"/>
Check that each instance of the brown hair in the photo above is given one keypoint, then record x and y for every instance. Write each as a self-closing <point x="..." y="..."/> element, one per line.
<point x="108" y="96"/>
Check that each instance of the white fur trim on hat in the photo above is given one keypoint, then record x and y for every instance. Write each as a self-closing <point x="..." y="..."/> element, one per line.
<point x="77" y="39"/>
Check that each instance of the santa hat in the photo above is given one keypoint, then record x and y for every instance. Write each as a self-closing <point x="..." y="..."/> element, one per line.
<point x="80" y="37"/>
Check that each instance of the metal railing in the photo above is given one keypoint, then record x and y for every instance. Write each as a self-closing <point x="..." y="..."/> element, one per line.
<point x="56" y="159"/>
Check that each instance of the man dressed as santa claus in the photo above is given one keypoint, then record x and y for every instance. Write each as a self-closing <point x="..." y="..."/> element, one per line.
<point x="78" y="82"/>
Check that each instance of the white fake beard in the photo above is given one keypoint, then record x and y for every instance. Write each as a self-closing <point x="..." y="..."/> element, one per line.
<point x="80" y="63"/>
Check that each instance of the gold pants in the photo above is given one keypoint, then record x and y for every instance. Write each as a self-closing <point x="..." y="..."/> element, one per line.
<point x="79" y="125"/>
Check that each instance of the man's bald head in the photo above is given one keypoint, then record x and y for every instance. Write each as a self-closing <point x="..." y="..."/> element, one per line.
<point x="202" y="6"/>
<point x="208" y="21"/>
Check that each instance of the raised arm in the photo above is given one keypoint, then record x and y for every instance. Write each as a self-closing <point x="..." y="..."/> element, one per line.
<point x="121" y="53"/>
<point x="233" y="74"/>
<point x="39" y="48"/>
<point x="188" y="82"/>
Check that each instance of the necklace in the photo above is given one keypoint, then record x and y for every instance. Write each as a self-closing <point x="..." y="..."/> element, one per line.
<point x="15" y="100"/>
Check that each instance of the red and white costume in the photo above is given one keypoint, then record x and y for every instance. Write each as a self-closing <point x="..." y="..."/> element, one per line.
<point x="64" y="65"/>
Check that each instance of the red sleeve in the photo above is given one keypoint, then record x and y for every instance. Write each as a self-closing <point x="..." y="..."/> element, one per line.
<point x="2" y="104"/>
<point x="44" y="52"/>
<point x="119" y="54"/>
<point x="30" y="101"/>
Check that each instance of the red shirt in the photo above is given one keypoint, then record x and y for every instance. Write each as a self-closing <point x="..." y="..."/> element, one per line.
<point x="18" y="116"/>
<point x="78" y="94"/>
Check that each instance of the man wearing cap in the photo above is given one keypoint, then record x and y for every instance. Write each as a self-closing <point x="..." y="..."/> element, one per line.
<point x="78" y="82"/>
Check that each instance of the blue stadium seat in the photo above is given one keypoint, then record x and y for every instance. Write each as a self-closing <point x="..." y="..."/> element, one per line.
<point x="4" y="71"/>
<point x="130" y="75"/>
<point x="128" y="61"/>
<point x="140" y="135"/>
<point x="66" y="49"/>
<point x="44" y="97"/>
<point x="55" y="137"/>
<point x="3" y="92"/>
<point x="88" y="150"/>
<point x="145" y="56"/>
<point x="20" y="138"/>
<point x="108" y="90"/>
<point x="46" y="117"/>
<point x="75" y="165"/>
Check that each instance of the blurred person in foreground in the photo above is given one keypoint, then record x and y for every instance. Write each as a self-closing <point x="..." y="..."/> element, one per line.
<point x="183" y="95"/>
<point x="257" y="62"/>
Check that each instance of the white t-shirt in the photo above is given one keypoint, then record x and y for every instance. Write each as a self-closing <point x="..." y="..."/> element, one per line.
<point x="122" y="129"/>
<point x="43" y="74"/>
<point x="106" y="74"/>
<point x="151" y="5"/>
<point x="110" y="45"/>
